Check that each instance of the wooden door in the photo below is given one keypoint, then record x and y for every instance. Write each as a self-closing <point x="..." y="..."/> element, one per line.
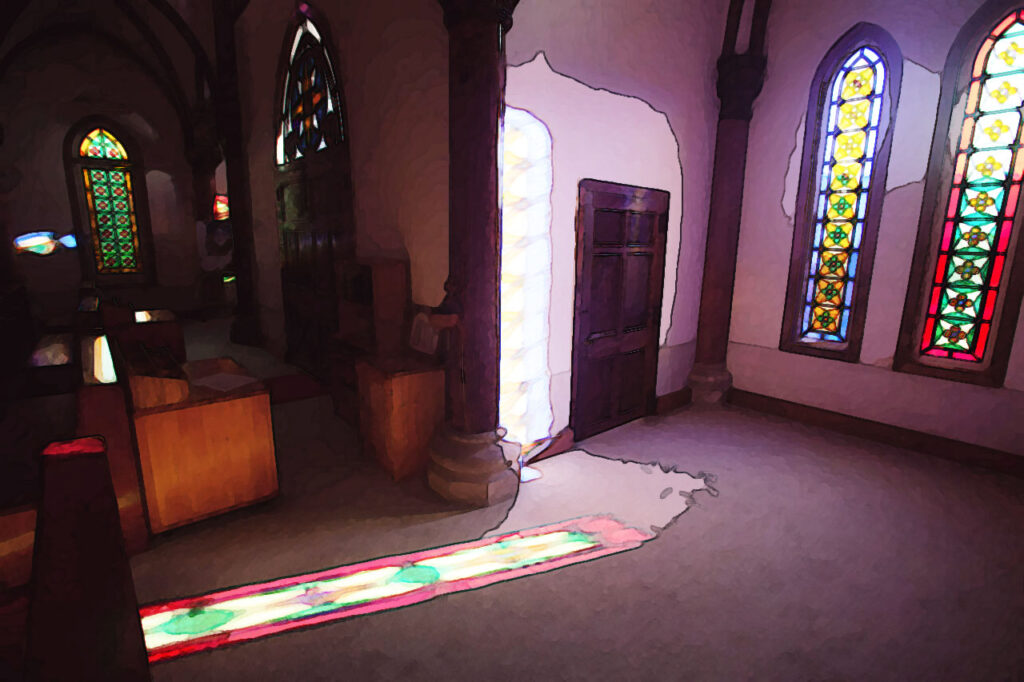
<point x="316" y="232"/>
<point x="620" y="266"/>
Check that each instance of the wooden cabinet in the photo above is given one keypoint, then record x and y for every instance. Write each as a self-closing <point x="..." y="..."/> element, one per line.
<point x="209" y="453"/>
<point x="372" y="308"/>
<point x="401" y="403"/>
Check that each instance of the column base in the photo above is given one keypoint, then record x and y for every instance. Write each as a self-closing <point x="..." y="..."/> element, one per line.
<point x="709" y="383"/>
<point x="474" y="469"/>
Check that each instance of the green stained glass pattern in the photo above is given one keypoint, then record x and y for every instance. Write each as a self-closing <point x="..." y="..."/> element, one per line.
<point x="108" y="192"/>
<point x="973" y="254"/>
<point x="100" y="144"/>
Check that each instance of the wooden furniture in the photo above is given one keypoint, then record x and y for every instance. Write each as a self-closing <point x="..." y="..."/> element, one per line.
<point x="102" y="410"/>
<point x="372" y="308"/>
<point x="83" y="621"/>
<point x="155" y="328"/>
<point x="17" y="534"/>
<point x="207" y="453"/>
<point x="401" y="403"/>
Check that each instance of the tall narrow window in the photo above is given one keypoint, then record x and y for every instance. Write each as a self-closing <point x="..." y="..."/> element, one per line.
<point x="106" y="190"/>
<point x="959" y="297"/>
<point x="310" y="117"/>
<point x="843" y="176"/>
<point x="981" y="203"/>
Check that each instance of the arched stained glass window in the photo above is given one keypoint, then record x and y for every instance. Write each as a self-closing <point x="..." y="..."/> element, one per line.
<point x="965" y="295"/>
<point x="972" y="257"/>
<point x="843" y="178"/>
<point x="110" y="201"/>
<point x="310" y="117"/>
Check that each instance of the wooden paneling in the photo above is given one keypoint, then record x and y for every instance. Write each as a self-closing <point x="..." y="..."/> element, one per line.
<point x="888" y="434"/>
<point x="17" y="534"/>
<point x="401" y="405"/>
<point x="211" y="454"/>
<point x="102" y="410"/>
<point x="84" y="616"/>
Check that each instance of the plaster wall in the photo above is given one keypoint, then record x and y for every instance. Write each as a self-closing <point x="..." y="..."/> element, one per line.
<point x="392" y="63"/>
<point x="628" y="90"/>
<point x="587" y="142"/>
<point x="44" y="93"/>
<point x="799" y="34"/>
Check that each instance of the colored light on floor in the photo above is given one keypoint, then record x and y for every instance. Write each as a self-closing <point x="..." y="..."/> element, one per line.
<point x="43" y="243"/>
<point x="240" y="614"/>
<point x="97" y="362"/>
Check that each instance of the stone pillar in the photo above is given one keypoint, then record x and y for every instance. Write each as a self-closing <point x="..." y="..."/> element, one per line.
<point x="469" y="461"/>
<point x="246" y="327"/>
<point x="204" y="156"/>
<point x="740" y="77"/>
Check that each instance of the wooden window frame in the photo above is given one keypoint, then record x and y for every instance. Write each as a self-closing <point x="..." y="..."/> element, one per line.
<point x="73" y="164"/>
<point x="791" y="341"/>
<point x="955" y="78"/>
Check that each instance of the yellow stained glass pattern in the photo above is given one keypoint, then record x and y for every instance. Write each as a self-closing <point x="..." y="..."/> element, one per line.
<point x="851" y="135"/>
<point x="850" y="146"/>
<point x="854" y="115"/>
<point x="859" y="83"/>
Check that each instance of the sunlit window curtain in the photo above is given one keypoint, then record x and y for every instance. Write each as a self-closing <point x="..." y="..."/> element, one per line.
<point x="972" y="261"/>
<point x="525" y="403"/>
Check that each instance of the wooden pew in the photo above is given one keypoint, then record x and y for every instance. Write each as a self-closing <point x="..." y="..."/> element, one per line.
<point x="83" y="619"/>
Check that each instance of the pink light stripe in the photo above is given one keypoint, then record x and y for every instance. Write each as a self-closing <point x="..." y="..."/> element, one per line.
<point x="613" y="537"/>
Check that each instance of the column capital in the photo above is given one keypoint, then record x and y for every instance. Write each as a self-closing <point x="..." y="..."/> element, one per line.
<point x="740" y="78"/>
<point x="493" y="11"/>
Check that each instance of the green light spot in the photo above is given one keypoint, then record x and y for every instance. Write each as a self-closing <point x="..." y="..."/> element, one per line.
<point x="423" y="575"/>
<point x="229" y="278"/>
<point x="196" y="622"/>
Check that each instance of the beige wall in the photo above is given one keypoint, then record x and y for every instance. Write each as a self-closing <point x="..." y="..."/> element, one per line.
<point x="661" y="56"/>
<point x="393" y="65"/>
<point x="799" y="34"/>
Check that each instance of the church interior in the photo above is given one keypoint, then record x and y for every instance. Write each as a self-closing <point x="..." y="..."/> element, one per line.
<point x="511" y="339"/>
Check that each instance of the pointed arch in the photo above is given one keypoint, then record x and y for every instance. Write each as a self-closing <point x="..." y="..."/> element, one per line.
<point x="108" y="196"/>
<point x="848" y="136"/>
<point x="964" y="299"/>
<point x="310" y="112"/>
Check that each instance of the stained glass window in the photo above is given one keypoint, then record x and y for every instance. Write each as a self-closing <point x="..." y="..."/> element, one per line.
<point x="99" y="144"/>
<point x="221" y="211"/>
<point x="107" y="178"/>
<point x="852" y="114"/>
<point x="978" y="221"/>
<point x="310" y="110"/>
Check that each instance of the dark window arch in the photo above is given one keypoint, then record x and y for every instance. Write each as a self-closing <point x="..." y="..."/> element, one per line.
<point x="964" y="298"/>
<point x="310" y="107"/>
<point x="847" y="139"/>
<point x="107" y="189"/>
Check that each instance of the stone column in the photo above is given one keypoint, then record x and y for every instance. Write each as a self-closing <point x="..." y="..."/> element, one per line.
<point x="246" y="327"/>
<point x="740" y="77"/>
<point x="469" y="461"/>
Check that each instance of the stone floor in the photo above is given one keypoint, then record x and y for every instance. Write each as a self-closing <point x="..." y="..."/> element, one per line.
<point x="813" y="556"/>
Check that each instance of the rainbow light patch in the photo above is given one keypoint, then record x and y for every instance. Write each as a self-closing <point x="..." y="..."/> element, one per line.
<point x="184" y="626"/>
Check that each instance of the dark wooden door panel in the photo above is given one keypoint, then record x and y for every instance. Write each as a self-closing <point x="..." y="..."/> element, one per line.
<point x="316" y="231"/>
<point x="620" y="265"/>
